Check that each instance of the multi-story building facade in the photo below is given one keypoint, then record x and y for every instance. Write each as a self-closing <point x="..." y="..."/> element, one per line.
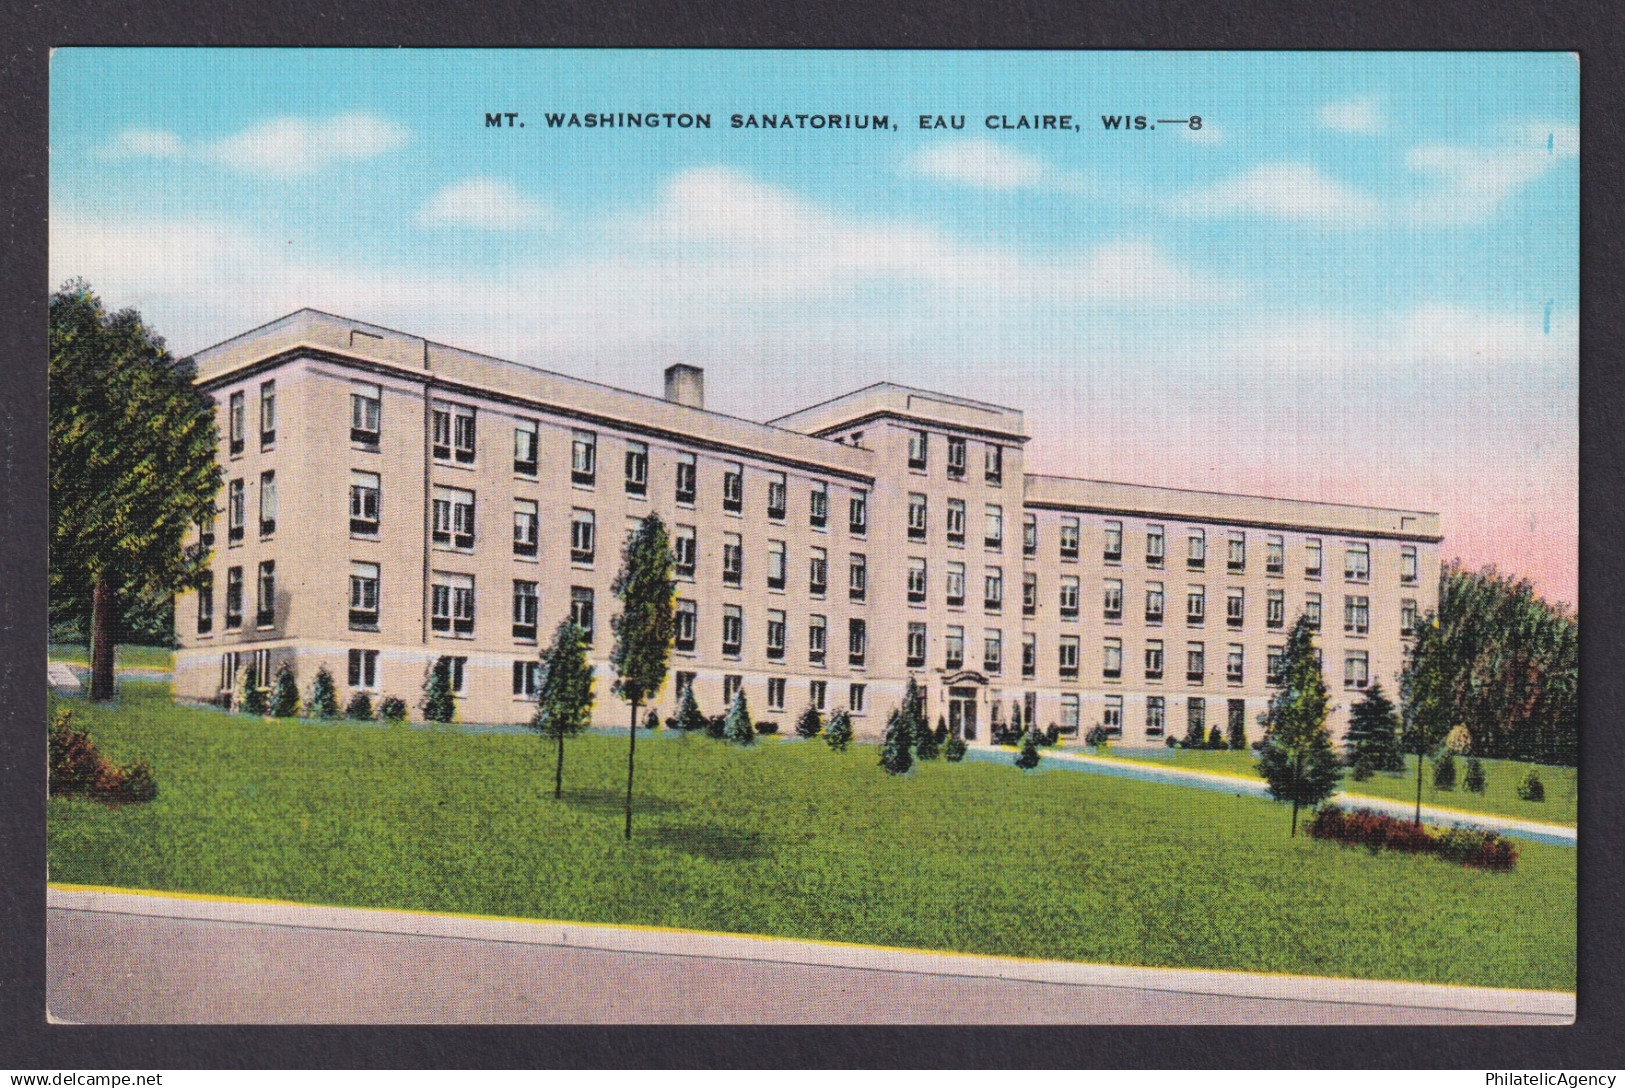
<point x="390" y="501"/>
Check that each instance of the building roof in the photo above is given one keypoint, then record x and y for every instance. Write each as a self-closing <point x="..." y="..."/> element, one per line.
<point x="901" y="401"/>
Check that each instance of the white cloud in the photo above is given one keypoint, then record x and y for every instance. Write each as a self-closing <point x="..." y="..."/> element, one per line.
<point x="485" y="203"/>
<point x="284" y="147"/>
<point x="980" y="164"/>
<point x="1358" y="116"/>
<point x="1288" y="190"/>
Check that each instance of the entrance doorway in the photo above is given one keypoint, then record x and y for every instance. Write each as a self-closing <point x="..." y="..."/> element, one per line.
<point x="962" y="712"/>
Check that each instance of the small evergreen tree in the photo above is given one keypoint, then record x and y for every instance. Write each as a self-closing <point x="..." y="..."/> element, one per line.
<point x="1362" y="769"/>
<point x="810" y="724"/>
<point x="392" y="709"/>
<point x="716" y="726"/>
<point x="1444" y="771"/>
<point x="359" y="708"/>
<point x="1214" y="739"/>
<point x="439" y="703"/>
<point x="926" y="747"/>
<point x="285" y="699"/>
<point x="894" y="747"/>
<point x="953" y="750"/>
<point x="1475" y="781"/>
<point x="1237" y="735"/>
<point x="1028" y="757"/>
<point x="564" y="697"/>
<point x="1298" y="760"/>
<point x="839" y="733"/>
<point x="1530" y="787"/>
<point x="651" y="721"/>
<point x="1374" y="732"/>
<point x="942" y="730"/>
<point x="1195" y="735"/>
<point x="324" y="700"/>
<point x="739" y="729"/>
<point x="255" y="699"/>
<point x="689" y="717"/>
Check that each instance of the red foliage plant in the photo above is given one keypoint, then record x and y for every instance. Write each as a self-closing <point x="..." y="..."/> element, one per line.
<point x="77" y="768"/>
<point x="1378" y="831"/>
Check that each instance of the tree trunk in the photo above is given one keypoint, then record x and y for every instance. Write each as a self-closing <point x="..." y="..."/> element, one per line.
<point x="102" y="619"/>
<point x="1418" y="789"/>
<point x="1297" y="790"/>
<point x="558" y="772"/>
<point x="631" y="751"/>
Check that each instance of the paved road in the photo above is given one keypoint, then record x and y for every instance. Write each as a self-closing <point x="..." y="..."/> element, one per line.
<point x="142" y="958"/>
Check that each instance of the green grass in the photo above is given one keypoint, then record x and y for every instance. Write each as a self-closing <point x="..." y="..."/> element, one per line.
<point x="792" y="839"/>
<point x="1500" y="796"/>
<point x="128" y="656"/>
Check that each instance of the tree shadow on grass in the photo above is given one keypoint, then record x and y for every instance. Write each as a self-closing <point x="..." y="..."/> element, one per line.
<point x="609" y="802"/>
<point x="712" y="843"/>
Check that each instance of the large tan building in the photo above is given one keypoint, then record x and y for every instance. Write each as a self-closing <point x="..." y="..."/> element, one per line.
<point x="390" y="501"/>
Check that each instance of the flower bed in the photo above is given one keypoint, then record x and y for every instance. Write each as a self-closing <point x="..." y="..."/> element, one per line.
<point x="1468" y="846"/>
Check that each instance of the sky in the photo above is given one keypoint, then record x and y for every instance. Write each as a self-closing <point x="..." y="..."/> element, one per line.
<point x="1354" y="278"/>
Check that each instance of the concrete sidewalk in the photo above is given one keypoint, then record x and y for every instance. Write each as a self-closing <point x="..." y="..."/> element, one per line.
<point x="135" y="957"/>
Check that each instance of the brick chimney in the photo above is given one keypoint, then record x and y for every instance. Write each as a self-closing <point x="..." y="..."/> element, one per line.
<point x="685" y="385"/>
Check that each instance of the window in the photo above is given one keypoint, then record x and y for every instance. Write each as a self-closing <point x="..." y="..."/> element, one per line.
<point x="1111" y="722"/>
<point x="733" y="487"/>
<point x="857" y="642"/>
<point x="1311" y="562"/>
<point x="1195" y="716"/>
<point x="1407" y="618"/>
<point x="637" y="468"/>
<point x="995" y="465"/>
<point x="775" y="693"/>
<point x="686" y="625"/>
<point x="1029" y="593"/>
<point x="363" y="596"/>
<point x="818" y="572"/>
<point x="584" y="458"/>
<point x="581" y="610"/>
<point x="1112" y="661"/>
<point x="234" y="598"/>
<point x="1195" y="662"/>
<point x="453" y="436"/>
<point x="685" y="546"/>
<point x="916" y="516"/>
<point x="1029" y="656"/>
<point x="916" y="580"/>
<point x="267" y="415"/>
<point x="236" y="512"/>
<point x="524" y="611"/>
<point x="994" y="535"/>
<point x="919" y="445"/>
<point x="526" y="679"/>
<point x="857" y="514"/>
<point x="733" y="559"/>
<point x="731" y="686"/>
<point x="1237" y="561"/>
<point x="857" y="698"/>
<point x="956" y="522"/>
<point x="366" y="414"/>
<point x="1356" y="615"/>
<point x="993" y="590"/>
<point x="1275" y="556"/>
<point x="235" y="423"/>
<point x="857" y="577"/>
<point x="1196" y="557"/>
<point x="458" y="667"/>
<point x="1356" y="669"/>
<point x="452" y="603"/>
<point x="1274" y="662"/>
<point x="777" y="496"/>
<point x="583" y="535"/>
<point x="776" y="564"/>
<point x="775" y="634"/>
<point x="1156" y="716"/>
<point x="1070" y="715"/>
<point x="733" y="630"/>
<point x="1155" y="546"/>
<point x="1153" y="659"/>
<point x="1357" y="563"/>
<point x="953" y="649"/>
<point x="955" y="584"/>
<point x="681" y="682"/>
<point x="956" y="458"/>
<point x="817" y="630"/>
<point x="524" y="447"/>
<point x="1235" y="607"/>
<point x="1113" y="599"/>
<point x="916" y="646"/>
<point x="267" y="504"/>
<point x="1153" y="602"/>
<point x="1235" y="663"/>
<point x="205" y="603"/>
<point x="1196" y="605"/>
<point x="1275" y="608"/>
<point x="525" y="520"/>
<point x="364" y="670"/>
<point x="454" y="517"/>
<point x="1407" y="564"/>
<point x="1311" y="610"/>
<point x="1029" y="535"/>
<point x="1113" y="552"/>
<point x="1070" y="534"/>
<point x="265" y="613"/>
<point x="688" y="479"/>
<point x="205" y="530"/>
<point x="818" y="505"/>
<point x="817" y="693"/>
<point x="364" y="491"/>
<point x="1068" y="656"/>
<point x="993" y="651"/>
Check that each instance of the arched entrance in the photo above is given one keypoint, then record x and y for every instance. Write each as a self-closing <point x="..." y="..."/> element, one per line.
<point x="964" y="692"/>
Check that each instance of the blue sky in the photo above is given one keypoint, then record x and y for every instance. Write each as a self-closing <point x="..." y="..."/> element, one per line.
<point x="1357" y="281"/>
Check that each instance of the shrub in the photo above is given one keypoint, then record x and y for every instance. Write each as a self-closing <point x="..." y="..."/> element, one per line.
<point x="439" y="703"/>
<point x="1237" y="737"/>
<point x="324" y="699"/>
<point x="360" y="707"/>
<point x="716" y="726"/>
<point x="942" y="730"/>
<point x="894" y="749"/>
<point x="767" y="727"/>
<point x="1028" y="757"/>
<point x="1471" y="847"/>
<point x="689" y="717"/>
<point x="137" y="785"/>
<point x="737" y="727"/>
<point x="651" y="721"/>
<point x="1215" y="739"/>
<point x="1095" y="737"/>
<point x="926" y="747"/>
<point x="285" y="697"/>
<point x="1195" y="735"/>
<point x="392" y="709"/>
<point x="77" y="768"/>
<point x="810" y="724"/>
<point x="254" y="699"/>
<point x="1170" y="741"/>
<point x="1530" y="787"/>
<point x="671" y="723"/>
<point x="1051" y="737"/>
<point x="839" y="733"/>
<point x="1444" y="771"/>
<point x="1363" y="768"/>
<point x="954" y="749"/>
<point x="1475" y="781"/>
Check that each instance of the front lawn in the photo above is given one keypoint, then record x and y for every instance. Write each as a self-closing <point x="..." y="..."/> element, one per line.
<point x="791" y="839"/>
<point x="126" y="655"/>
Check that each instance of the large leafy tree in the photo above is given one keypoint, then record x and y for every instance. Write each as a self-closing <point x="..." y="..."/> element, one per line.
<point x="132" y="449"/>
<point x="564" y="701"/>
<point x="1298" y="759"/>
<point x="644" y="627"/>
<point x="1426" y="697"/>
